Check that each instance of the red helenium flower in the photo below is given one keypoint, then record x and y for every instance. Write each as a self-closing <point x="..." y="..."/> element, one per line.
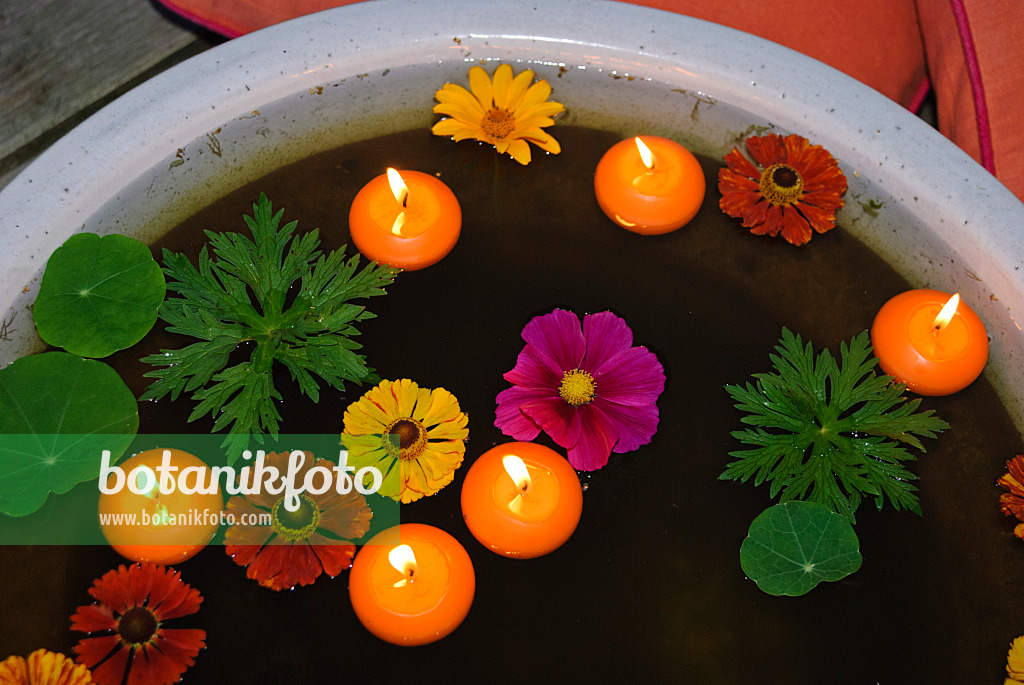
<point x="127" y="629"/>
<point x="590" y="390"/>
<point x="1011" y="502"/>
<point x="795" y="187"/>
<point x="295" y="547"/>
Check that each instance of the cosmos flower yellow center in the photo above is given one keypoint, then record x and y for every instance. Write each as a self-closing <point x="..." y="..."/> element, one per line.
<point x="498" y="123"/>
<point x="298" y="524"/>
<point x="405" y="438"/>
<point x="577" y="387"/>
<point x="781" y="185"/>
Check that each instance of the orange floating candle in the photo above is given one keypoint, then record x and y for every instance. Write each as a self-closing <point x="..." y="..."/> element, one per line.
<point x="522" y="500"/>
<point x="649" y="184"/>
<point x="412" y="584"/>
<point x="145" y="515"/>
<point x="931" y="341"/>
<point x="406" y="219"/>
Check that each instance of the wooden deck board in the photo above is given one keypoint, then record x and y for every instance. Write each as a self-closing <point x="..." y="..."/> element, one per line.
<point x="58" y="58"/>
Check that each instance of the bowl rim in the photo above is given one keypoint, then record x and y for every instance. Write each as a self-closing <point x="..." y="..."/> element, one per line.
<point x="58" y="192"/>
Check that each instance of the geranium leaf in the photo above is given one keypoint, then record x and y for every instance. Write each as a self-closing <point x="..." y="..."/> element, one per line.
<point x="98" y="294"/>
<point x="58" y="412"/>
<point x="792" y="547"/>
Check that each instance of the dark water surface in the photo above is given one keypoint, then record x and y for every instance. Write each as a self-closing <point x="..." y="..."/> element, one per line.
<point x="649" y="589"/>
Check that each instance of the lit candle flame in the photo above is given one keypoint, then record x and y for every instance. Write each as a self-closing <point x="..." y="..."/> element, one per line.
<point x="946" y="313"/>
<point x="401" y="193"/>
<point x="516" y="470"/>
<point x="645" y="153"/>
<point x="404" y="561"/>
<point x="398" y="187"/>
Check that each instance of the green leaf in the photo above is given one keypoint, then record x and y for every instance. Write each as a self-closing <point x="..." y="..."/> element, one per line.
<point x="829" y="432"/>
<point x="281" y="296"/>
<point x="98" y="295"/>
<point x="58" y="412"/>
<point x="792" y="547"/>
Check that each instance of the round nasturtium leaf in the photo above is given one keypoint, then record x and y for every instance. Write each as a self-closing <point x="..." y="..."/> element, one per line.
<point x="792" y="547"/>
<point x="98" y="294"/>
<point x="58" y="413"/>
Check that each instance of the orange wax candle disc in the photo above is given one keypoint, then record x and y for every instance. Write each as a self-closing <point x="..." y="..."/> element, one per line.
<point x="410" y="228"/>
<point x="412" y="584"/>
<point x="652" y="195"/>
<point x="522" y="509"/>
<point x="930" y="359"/>
<point x="152" y="525"/>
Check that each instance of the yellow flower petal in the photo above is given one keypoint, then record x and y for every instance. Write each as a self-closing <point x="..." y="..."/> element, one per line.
<point x="501" y="86"/>
<point x="480" y="84"/>
<point x="542" y="140"/>
<point x="1015" y="659"/>
<point x="520" y="151"/>
<point x="14" y="671"/>
<point x="518" y="90"/>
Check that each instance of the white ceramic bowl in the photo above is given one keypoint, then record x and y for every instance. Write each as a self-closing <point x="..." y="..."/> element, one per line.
<point x="256" y="103"/>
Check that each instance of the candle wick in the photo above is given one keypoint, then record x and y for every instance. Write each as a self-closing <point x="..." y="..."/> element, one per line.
<point x="405" y="199"/>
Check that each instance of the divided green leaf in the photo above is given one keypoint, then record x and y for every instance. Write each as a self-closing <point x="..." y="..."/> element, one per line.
<point x="98" y="294"/>
<point x="792" y="547"/>
<point x="58" y="412"/>
<point x="830" y="432"/>
<point x="281" y="295"/>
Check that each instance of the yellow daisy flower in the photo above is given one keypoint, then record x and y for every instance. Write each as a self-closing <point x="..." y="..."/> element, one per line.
<point x="1015" y="661"/>
<point x="507" y="112"/>
<point x="43" y="667"/>
<point x="413" y="435"/>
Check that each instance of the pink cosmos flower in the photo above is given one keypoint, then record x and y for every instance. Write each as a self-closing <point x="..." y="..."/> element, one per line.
<point x="590" y="390"/>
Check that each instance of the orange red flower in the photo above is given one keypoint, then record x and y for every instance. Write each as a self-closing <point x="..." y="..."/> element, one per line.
<point x="793" y="188"/>
<point x="295" y="547"/>
<point x="127" y="627"/>
<point x="1011" y="502"/>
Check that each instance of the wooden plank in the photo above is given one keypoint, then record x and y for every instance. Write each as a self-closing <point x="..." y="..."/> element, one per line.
<point x="59" y="57"/>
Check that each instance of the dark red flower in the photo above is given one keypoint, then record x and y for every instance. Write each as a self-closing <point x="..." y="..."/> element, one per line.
<point x="284" y="548"/>
<point x="126" y="627"/>
<point x="795" y="187"/>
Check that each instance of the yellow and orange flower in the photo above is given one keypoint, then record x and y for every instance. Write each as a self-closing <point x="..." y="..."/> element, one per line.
<point x="794" y="189"/>
<point x="43" y="667"/>
<point x="1011" y="502"/>
<point x="413" y="435"/>
<point x="507" y="112"/>
<point x="1015" y="662"/>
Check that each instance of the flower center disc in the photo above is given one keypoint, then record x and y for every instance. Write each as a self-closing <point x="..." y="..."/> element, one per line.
<point x="298" y="524"/>
<point x="405" y="438"/>
<point x="498" y="123"/>
<point x="137" y="625"/>
<point x="577" y="387"/>
<point x="781" y="185"/>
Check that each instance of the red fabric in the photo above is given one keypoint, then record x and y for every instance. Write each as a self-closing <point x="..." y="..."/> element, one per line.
<point x="974" y="49"/>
